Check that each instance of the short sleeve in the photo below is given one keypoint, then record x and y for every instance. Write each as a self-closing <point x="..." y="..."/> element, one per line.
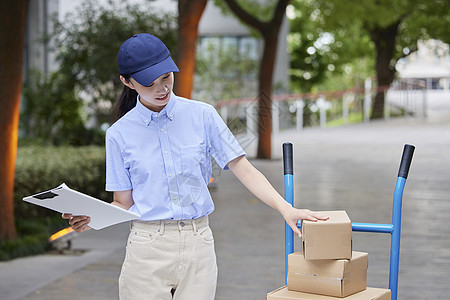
<point x="223" y="145"/>
<point x="117" y="174"/>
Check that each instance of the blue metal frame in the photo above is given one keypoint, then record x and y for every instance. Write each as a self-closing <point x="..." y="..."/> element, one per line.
<point x="288" y="232"/>
<point x="394" y="229"/>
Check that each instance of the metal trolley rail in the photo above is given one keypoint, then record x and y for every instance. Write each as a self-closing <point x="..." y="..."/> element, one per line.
<point x="394" y="229"/>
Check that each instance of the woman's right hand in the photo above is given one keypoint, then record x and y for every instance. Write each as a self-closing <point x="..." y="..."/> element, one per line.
<point x="78" y="223"/>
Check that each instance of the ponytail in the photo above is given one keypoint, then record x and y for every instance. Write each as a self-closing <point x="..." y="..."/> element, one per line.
<point x="127" y="100"/>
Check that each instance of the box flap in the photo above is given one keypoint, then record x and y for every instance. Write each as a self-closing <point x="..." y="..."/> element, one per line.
<point x="371" y="294"/>
<point x="321" y="268"/>
<point x="272" y="295"/>
<point x="359" y="261"/>
<point x="316" y="285"/>
<point x="338" y="268"/>
<point x="335" y="217"/>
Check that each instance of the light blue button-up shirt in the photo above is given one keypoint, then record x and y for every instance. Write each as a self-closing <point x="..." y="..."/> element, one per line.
<point x="165" y="158"/>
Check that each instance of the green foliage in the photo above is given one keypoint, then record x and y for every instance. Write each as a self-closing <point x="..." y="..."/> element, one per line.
<point x="88" y="41"/>
<point x="33" y="236"/>
<point x="353" y="118"/>
<point x="264" y="11"/>
<point x="418" y="19"/>
<point x="52" y="112"/>
<point x="347" y="76"/>
<point x="318" y="52"/>
<point x="350" y="24"/>
<point x="39" y="168"/>
<point x="24" y="246"/>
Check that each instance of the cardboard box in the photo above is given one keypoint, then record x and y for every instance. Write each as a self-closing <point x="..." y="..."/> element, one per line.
<point x="338" y="278"/>
<point x="330" y="239"/>
<point x="368" y="294"/>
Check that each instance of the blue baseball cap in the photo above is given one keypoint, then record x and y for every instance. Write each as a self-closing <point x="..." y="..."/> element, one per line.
<point x="145" y="58"/>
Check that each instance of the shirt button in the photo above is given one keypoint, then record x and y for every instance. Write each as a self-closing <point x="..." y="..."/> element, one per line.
<point x="170" y="174"/>
<point x="162" y="129"/>
<point x="165" y="152"/>
<point x="182" y="224"/>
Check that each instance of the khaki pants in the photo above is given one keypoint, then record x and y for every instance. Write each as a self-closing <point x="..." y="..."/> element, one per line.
<point x="169" y="260"/>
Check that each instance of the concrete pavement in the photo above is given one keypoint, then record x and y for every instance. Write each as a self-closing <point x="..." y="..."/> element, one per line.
<point x="352" y="168"/>
<point x="23" y="276"/>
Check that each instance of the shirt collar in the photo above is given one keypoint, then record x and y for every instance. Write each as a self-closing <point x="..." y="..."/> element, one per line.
<point x="147" y="115"/>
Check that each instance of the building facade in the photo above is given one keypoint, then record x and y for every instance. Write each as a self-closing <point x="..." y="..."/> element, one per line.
<point x="37" y="51"/>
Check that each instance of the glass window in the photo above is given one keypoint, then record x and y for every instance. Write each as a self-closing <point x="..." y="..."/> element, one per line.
<point x="248" y="48"/>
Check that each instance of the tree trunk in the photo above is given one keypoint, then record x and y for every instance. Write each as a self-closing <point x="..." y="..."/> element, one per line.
<point x="384" y="40"/>
<point x="13" y="16"/>
<point x="189" y="14"/>
<point x="264" y="97"/>
<point x="269" y="31"/>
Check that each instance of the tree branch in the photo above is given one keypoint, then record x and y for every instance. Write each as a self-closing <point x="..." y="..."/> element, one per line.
<point x="279" y="13"/>
<point x="244" y="16"/>
<point x="412" y="49"/>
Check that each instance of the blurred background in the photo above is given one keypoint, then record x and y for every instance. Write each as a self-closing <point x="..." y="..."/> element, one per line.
<point x="269" y="67"/>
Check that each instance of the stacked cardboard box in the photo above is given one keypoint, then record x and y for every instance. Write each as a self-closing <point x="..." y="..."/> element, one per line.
<point x="327" y="268"/>
<point x="331" y="239"/>
<point x="338" y="278"/>
<point x="368" y="294"/>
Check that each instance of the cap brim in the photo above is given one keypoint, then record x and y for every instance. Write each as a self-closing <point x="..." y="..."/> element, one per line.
<point x="146" y="76"/>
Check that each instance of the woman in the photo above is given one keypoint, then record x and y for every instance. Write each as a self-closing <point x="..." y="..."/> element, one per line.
<point x="158" y="165"/>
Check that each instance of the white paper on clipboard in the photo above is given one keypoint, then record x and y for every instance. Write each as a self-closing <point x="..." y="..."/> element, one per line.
<point x="65" y="200"/>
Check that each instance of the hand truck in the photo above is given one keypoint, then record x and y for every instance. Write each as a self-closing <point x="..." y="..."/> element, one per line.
<point x="394" y="229"/>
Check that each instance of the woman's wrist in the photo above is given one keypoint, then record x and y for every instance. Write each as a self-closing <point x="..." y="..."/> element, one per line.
<point x="284" y="207"/>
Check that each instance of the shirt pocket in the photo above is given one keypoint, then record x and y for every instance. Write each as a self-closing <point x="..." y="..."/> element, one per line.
<point x="192" y="160"/>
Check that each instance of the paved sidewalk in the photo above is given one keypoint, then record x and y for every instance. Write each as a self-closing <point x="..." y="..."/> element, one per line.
<point x="352" y="168"/>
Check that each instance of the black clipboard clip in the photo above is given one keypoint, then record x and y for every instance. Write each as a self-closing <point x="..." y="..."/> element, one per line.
<point x="45" y="195"/>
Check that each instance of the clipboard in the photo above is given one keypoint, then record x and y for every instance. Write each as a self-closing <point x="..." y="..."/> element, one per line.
<point x="66" y="200"/>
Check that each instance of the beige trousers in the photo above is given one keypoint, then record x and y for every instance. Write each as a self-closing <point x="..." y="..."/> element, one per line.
<point x="169" y="260"/>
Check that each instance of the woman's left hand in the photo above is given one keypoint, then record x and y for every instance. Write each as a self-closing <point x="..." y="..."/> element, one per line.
<point x="292" y="215"/>
<point x="78" y="223"/>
